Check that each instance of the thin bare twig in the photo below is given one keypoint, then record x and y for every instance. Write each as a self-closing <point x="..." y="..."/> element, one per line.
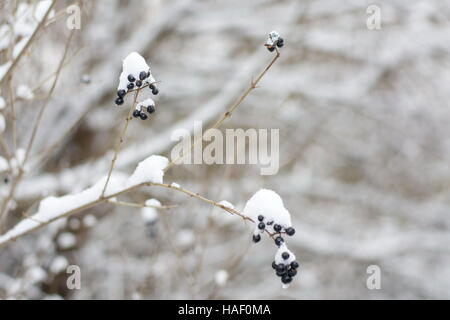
<point x="229" y="112"/>
<point x="120" y="142"/>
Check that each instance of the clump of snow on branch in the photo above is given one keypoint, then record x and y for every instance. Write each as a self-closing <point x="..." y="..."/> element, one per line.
<point x="52" y="208"/>
<point x="149" y="170"/>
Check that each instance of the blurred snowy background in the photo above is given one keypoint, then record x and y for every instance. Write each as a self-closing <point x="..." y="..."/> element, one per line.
<point x="364" y="148"/>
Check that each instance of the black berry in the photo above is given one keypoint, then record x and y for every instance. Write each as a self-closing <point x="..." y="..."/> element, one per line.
<point x="142" y="75"/>
<point x="136" y="113"/>
<point x="280" y="268"/>
<point x="274" y="265"/>
<point x="148" y="74"/>
<point x="130" y="86"/>
<point x="121" y="93"/>
<point x="260" y="218"/>
<point x="269" y="223"/>
<point x="155" y="91"/>
<point x="261" y="226"/>
<point x="138" y="83"/>
<point x="280" y="42"/>
<point x="292" y="273"/>
<point x="151" y="87"/>
<point x="256" y="238"/>
<point x="279" y="241"/>
<point x="150" y="109"/>
<point x="277" y="227"/>
<point x="119" y="101"/>
<point x="271" y="49"/>
<point x="285" y="255"/>
<point x="131" y="78"/>
<point x="286" y="279"/>
<point x="290" y="231"/>
<point x="143" y="116"/>
<point x="294" y="264"/>
<point x="281" y="273"/>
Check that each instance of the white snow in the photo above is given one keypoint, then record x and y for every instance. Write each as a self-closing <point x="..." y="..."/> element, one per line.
<point x="149" y="170"/>
<point x="35" y="274"/>
<point x="51" y="208"/>
<point x="153" y="203"/>
<point x="145" y="104"/>
<point x="149" y="214"/>
<point x="221" y="277"/>
<point x="226" y="204"/>
<point x="24" y="92"/>
<point x="185" y="238"/>
<point x="58" y="264"/>
<point x="269" y="204"/>
<point x="2" y="103"/>
<point x="89" y="221"/>
<point x="66" y="240"/>
<point x="273" y="37"/>
<point x="133" y="64"/>
<point x="175" y="185"/>
<point x="279" y="259"/>
<point x="3" y="164"/>
<point x="2" y="123"/>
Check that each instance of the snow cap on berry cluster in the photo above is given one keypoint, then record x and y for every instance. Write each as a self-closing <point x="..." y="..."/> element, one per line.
<point x="133" y="64"/>
<point x="273" y="38"/>
<point x="149" y="213"/>
<point x="145" y="104"/>
<point x="270" y="205"/>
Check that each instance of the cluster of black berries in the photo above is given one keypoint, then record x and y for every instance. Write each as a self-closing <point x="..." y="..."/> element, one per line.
<point x="279" y="43"/>
<point x="134" y="83"/>
<point x="141" y="108"/>
<point x="287" y="269"/>
<point x="274" y="41"/>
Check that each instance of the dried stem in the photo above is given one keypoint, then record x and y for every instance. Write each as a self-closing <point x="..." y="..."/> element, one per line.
<point x="229" y="112"/>
<point x="120" y="142"/>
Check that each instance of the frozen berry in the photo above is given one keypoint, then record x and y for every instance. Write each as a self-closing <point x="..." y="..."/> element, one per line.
<point x="261" y="226"/>
<point x="292" y="273"/>
<point x="119" y="101"/>
<point x="155" y="91"/>
<point x="274" y="265"/>
<point x="290" y="231"/>
<point x="136" y="113"/>
<point x="286" y="279"/>
<point x="151" y="87"/>
<point x="130" y="86"/>
<point x="279" y="241"/>
<point x="280" y="267"/>
<point x="142" y="75"/>
<point x="271" y="49"/>
<point x="281" y="273"/>
<point x="280" y="42"/>
<point x="143" y="116"/>
<point x="260" y="218"/>
<point x="150" y="109"/>
<point x="121" y="93"/>
<point x="256" y="238"/>
<point x="269" y="223"/>
<point x="294" y="264"/>
<point x="277" y="227"/>
<point x="285" y="255"/>
<point x="138" y="83"/>
<point x="131" y="78"/>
